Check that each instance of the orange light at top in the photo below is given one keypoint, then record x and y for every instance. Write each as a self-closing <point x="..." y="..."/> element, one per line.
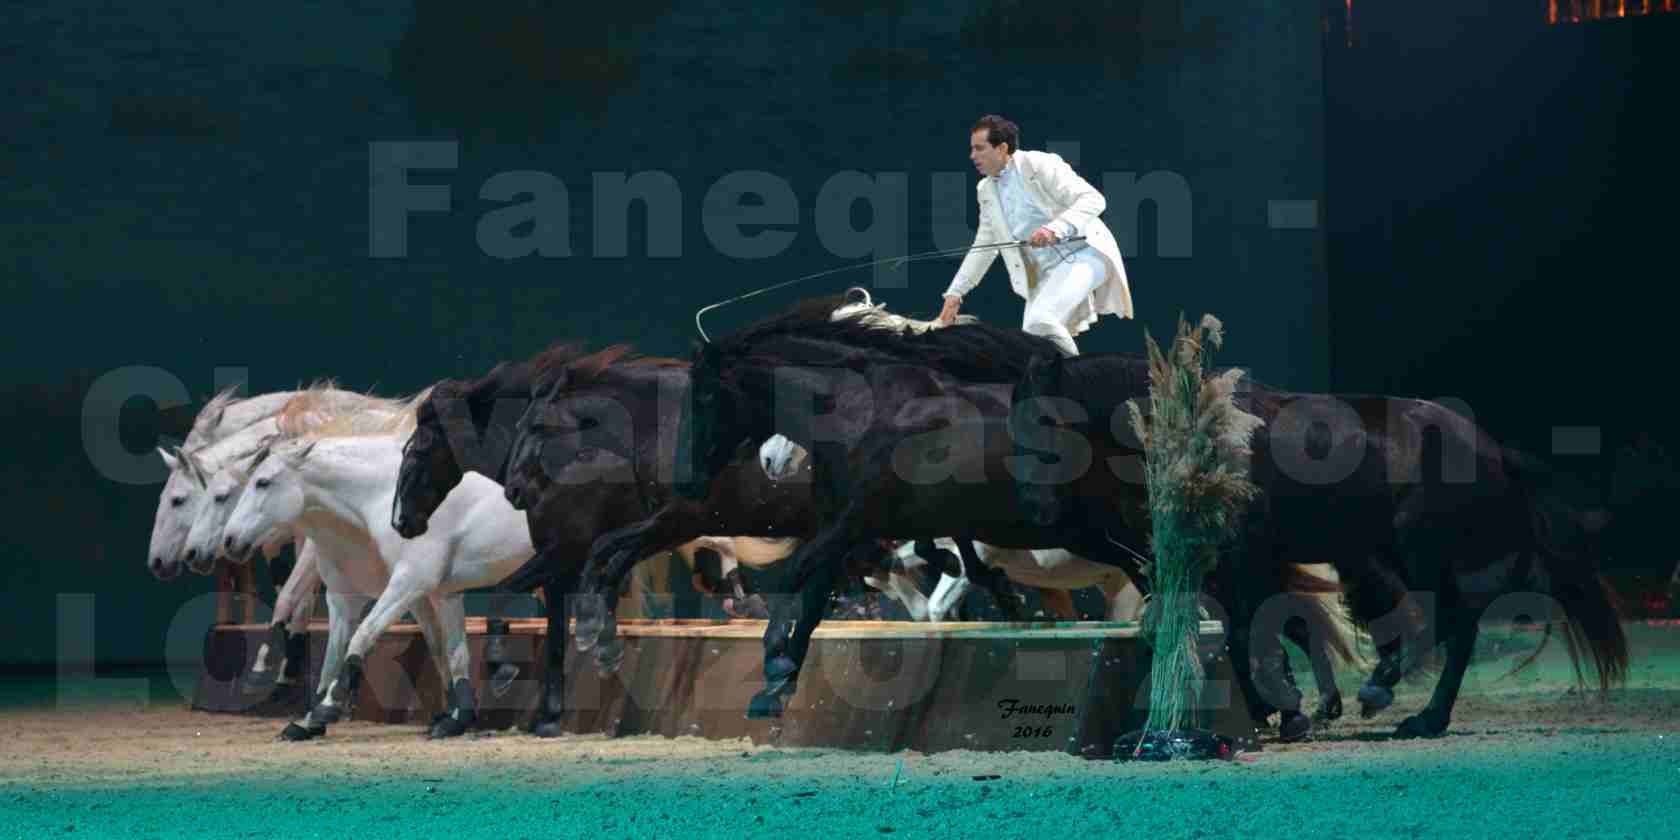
<point x="1576" y="11"/>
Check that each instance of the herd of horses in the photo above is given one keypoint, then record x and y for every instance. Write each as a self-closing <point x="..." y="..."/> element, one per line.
<point x="802" y="449"/>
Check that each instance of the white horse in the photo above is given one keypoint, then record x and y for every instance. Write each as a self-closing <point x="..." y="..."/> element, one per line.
<point x="302" y="412"/>
<point x="337" y="490"/>
<point x="186" y="492"/>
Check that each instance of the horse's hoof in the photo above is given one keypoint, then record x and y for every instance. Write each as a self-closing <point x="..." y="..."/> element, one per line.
<point x="547" y="729"/>
<point x="325" y="714"/>
<point x="1294" y="727"/>
<point x="764" y="705"/>
<point x="1373" y="699"/>
<point x="502" y="680"/>
<point x="1418" y="726"/>
<point x="452" y="724"/>
<point x="257" y="682"/>
<point x="1329" y="709"/>
<point x="587" y="631"/>
<point x="293" y="732"/>
<point x="609" y="657"/>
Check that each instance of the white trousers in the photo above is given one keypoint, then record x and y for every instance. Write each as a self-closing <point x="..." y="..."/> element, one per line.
<point x="1060" y="291"/>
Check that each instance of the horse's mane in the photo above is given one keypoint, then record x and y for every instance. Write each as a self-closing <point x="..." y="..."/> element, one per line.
<point x="209" y="416"/>
<point x="315" y="415"/>
<point x="974" y="351"/>
<point x="579" y="368"/>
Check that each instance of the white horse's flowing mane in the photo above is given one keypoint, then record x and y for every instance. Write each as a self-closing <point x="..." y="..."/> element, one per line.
<point x="321" y="411"/>
<point x="872" y="314"/>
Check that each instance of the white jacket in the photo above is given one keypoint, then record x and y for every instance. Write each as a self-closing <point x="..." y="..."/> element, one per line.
<point x="1073" y="206"/>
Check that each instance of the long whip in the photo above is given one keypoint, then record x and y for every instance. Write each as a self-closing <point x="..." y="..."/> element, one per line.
<point x="894" y="262"/>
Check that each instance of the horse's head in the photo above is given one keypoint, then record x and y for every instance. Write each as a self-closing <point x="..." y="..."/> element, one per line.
<point x="429" y="468"/>
<point x="272" y="501"/>
<point x="183" y="494"/>
<point x="1051" y="450"/>
<point x="204" y="541"/>
<point x="571" y="437"/>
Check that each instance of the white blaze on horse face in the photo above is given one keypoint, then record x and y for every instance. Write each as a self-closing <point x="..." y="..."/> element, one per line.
<point x="270" y="503"/>
<point x="223" y="494"/>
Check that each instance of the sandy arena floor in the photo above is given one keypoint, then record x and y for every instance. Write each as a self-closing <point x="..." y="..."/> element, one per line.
<point x="1527" y="757"/>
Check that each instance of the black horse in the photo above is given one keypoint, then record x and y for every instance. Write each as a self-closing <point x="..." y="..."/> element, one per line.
<point x="612" y="423"/>
<point x="909" y="439"/>
<point x="468" y="425"/>
<point x="1394" y="492"/>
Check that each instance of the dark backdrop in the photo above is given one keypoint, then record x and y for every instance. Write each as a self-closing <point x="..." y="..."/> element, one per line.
<point x="1501" y="207"/>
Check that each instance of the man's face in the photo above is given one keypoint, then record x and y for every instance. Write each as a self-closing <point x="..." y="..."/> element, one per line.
<point x="987" y="158"/>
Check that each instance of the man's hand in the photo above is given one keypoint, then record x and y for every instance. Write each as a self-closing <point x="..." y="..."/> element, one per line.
<point x="1042" y="237"/>
<point x="948" y="314"/>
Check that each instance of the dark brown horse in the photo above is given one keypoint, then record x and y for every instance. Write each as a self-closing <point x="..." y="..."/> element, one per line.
<point x="909" y="439"/>
<point x="468" y="426"/>
<point x="1398" y="494"/>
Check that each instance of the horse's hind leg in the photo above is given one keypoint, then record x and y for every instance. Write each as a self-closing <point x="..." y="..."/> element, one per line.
<point x="994" y="581"/>
<point x="1461" y="642"/>
<point x="288" y="630"/>
<point x="1324" y="673"/>
<point x="612" y="557"/>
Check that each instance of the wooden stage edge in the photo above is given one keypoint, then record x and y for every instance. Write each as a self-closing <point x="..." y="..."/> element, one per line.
<point x="867" y="685"/>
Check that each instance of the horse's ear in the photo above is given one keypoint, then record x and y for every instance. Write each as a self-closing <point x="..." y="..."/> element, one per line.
<point x="195" y="468"/>
<point x="169" y="459"/>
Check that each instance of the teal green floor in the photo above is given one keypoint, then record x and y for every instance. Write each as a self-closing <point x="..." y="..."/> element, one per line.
<point x="1527" y="757"/>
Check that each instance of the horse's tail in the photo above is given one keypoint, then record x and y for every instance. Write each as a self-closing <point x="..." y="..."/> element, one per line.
<point x="1564" y="540"/>
<point x="1324" y="608"/>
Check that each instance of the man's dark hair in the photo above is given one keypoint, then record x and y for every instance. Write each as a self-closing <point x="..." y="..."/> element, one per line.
<point x="999" y="131"/>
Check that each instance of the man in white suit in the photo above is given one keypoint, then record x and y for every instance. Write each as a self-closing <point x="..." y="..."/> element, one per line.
<point x="1037" y="197"/>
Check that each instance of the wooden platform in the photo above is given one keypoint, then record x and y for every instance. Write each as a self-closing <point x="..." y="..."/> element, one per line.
<point x="867" y="685"/>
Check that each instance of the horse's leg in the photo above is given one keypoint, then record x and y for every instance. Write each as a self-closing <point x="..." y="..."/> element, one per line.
<point x="1324" y="673"/>
<point x="1461" y="642"/>
<point x="806" y="579"/>
<point x="899" y="588"/>
<point x="342" y="612"/>
<point x="450" y="616"/>
<point x="407" y="586"/>
<point x="787" y="637"/>
<point x="1125" y="603"/>
<point x="947" y="595"/>
<point x="992" y="580"/>
<point x="1381" y="601"/>
<point x="1058" y="604"/>
<point x="612" y="557"/>
<point x="498" y="670"/>
<point x="551" y="705"/>
<point x="293" y="608"/>
<point x="306" y="571"/>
